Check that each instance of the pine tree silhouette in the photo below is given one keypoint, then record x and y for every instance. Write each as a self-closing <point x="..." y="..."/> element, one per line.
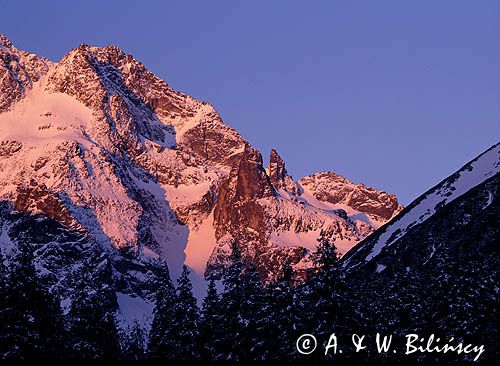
<point x="93" y="330"/>
<point x="231" y="303"/>
<point x="242" y="303"/>
<point x="162" y="344"/>
<point x="186" y="319"/>
<point x="31" y="316"/>
<point x="321" y="297"/>
<point x="254" y="313"/>
<point x="133" y="343"/>
<point x="210" y="330"/>
<point x="284" y="318"/>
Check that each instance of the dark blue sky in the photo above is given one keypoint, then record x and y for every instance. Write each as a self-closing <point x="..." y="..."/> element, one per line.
<point x="397" y="94"/>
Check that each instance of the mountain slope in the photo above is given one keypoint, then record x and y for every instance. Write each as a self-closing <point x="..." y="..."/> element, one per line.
<point x="434" y="269"/>
<point x="385" y="240"/>
<point x="107" y="149"/>
<point x="60" y="252"/>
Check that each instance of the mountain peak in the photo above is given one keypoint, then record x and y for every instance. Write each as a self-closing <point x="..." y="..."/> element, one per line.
<point x="101" y="51"/>
<point x="18" y="71"/>
<point x="335" y="189"/>
<point x="278" y="174"/>
<point x="4" y="41"/>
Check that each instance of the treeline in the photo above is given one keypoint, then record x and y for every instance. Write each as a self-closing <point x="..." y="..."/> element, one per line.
<point x="246" y="320"/>
<point x="33" y="325"/>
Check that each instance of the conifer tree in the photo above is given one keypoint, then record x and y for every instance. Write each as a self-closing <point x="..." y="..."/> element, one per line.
<point x="162" y="344"/>
<point x="186" y="319"/>
<point x="133" y="344"/>
<point x="210" y="330"/>
<point x="282" y="327"/>
<point x="244" y="312"/>
<point x="325" y="288"/>
<point x="231" y="302"/>
<point x="93" y="330"/>
<point x="325" y="257"/>
<point x="254" y="313"/>
<point x="32" y="317"/>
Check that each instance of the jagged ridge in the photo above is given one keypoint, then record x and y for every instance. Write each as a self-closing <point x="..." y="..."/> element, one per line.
<point x="107" y="149"/>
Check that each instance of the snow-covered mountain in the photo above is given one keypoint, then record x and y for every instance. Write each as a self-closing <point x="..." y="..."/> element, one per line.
<point x="140" y="172"/>
<point x="434" y="268"/>
<point x="390" y="242"/>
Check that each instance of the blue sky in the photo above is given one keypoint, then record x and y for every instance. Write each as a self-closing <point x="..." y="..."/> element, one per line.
<point x="396" y="94"/>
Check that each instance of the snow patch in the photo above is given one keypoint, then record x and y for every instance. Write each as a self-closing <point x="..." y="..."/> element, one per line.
<point x="489" y="201"/>
<point x="133" y="308"/>
<point x="380" y="268"/>
<point x="42" y="116"/>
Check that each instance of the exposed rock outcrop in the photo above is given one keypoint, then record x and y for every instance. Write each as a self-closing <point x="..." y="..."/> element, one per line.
<point x="335" y="189"/>
<point x="279" y="176"/>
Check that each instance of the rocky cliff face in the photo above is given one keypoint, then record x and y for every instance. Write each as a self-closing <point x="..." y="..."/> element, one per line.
<point x="101" y="146"/>
<point x="19" y="70"/>
<point x="335" y="189"/>
<point x="237" y="210"/>
<point x="240" y="215"/>
<point x="278" y="174"/>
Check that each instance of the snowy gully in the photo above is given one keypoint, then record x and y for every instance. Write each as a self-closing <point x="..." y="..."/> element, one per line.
<point x="307" y="344"/>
